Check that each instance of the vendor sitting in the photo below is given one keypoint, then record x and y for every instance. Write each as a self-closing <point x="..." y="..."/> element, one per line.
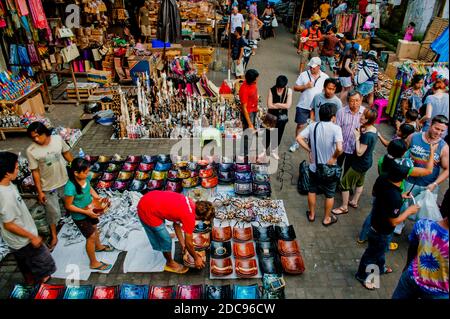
<point x="157" y="206"/>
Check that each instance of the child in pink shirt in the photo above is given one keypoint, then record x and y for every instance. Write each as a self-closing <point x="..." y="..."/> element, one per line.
<point x="409" y="32"/>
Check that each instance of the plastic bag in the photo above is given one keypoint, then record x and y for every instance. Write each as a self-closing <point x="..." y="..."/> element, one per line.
<point x="428" y="206"/>
<point x="274" y="22"/>
<point x="303" y="178"/>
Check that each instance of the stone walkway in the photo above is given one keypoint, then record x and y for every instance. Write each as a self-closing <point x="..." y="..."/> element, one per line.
<point x="331" y="254"/>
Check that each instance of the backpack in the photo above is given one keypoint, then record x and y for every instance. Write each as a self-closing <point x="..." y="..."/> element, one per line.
<point x="307" y="36"/>
<point x="364" y="75"/>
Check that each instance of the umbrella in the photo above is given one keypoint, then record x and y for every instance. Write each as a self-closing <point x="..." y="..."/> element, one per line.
<point x="169" y="21"/>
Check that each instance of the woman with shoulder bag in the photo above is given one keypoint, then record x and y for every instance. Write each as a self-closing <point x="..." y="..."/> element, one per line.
<point x="279" y="100"/>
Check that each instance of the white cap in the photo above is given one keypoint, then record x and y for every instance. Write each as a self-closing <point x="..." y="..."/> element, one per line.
<point x="373" y="53"/>
<point x="314" y="62"/>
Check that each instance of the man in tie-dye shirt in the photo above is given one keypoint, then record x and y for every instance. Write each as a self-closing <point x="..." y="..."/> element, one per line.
<point x="426" y="275"/>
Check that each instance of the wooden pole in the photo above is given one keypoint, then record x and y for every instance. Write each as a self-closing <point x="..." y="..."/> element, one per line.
<point x="74" y="83"/>
<point x="301" y="14"/>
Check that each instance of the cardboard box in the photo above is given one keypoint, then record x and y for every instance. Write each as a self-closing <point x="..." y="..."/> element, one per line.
<point x="391" y="70"/>
<point x="37" y="104"/>
<point x="24" y="107"/>
<point x="408" y="49"/>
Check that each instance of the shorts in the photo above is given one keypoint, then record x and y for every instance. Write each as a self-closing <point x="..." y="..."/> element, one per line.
<point x="317" y="186"/>
<point x="237" y="69"/>
<point x="86" y="226"/>
<point x="346" y="82"/>
<point x="365" y="88"/>
<point x="327" y="60"/>
<point x="37" y="262"/>
<point x="52" y="206"/>
<point x="159" y="237"/>
<point x="146" y="30"/>
<point x="352" y="179"/>
<point x="302" y="116"/>
<point x="306" y="55"/>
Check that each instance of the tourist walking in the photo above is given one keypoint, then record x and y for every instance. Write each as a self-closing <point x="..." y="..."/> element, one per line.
<point x="47" y="157"/>
<point x="17" y="227"/>
<point x="237" y="54"/>
<point x="253" y="33"/>
<point x="330" y="41"/>
<point x="346" y="72"/>
<point x="309" y="44"/>
<point x="366" y="79"/>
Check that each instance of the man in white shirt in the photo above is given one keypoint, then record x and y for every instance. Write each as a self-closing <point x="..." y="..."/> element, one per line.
<point x="236" y="20"/>
<point x="309" y="83"/>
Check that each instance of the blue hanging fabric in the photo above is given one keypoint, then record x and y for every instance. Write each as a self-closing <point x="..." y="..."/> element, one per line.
<point x="440" y="46"/>
<point x="23" y="55"/>
<point x="26" y="26"/>
<point x="13" y="55"/>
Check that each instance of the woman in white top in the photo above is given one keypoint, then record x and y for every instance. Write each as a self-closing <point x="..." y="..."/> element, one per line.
<point x="279" y="100"/>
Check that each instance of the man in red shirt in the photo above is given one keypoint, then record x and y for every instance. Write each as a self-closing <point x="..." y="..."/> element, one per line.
<point x="309" y="44"/>
<point x="157" y="206"/>
<point x="248" y="95"/>
<point x="330" y="41"/>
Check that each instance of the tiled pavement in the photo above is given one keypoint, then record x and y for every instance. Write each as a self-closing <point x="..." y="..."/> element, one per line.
<point x="331" y="254"/>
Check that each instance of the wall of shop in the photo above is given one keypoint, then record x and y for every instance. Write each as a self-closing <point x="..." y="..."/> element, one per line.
<point x="422" y="12"/>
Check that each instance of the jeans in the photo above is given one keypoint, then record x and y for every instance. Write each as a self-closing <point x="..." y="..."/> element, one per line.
<point x="374" y="254"/>
<point x="247" y="140"/>
<point x="363" y="235"/>
<point x="408" y="289"/>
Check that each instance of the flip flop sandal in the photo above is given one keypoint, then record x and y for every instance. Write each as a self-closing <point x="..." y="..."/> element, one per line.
<point x="310" y="219"/>
<point x="106" y="249"/>
<point x="387" y="270"/>
<point x="393" y="246"/>
<point x="333" y="220"/>
<point x="169" y="269"/>
<point x="106" y="267"/>
<point x="352" y="205"/>
<point x="342" y="212"/>
<point x="364" y="284"/>
<point x="361" y="241"/>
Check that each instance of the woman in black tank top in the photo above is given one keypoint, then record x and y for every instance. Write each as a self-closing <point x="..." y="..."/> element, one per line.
<point x="279" y="101"/>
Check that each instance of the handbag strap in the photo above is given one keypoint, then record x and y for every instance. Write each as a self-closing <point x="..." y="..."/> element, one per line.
<point x="315" y="145"/>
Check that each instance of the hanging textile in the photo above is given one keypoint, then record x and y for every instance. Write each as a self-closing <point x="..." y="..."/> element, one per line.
<point x="22" y="7"/>
<point x="39" y="18"/>
<point x="12" y="10"/>
<point x="2" y="16"/>
<point x="26" y="26"/>
<point x="348" y="22"/>
<point x="440" y="46"/>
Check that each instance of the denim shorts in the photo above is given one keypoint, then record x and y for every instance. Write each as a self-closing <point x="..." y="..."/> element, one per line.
<point x="302" y="116"/>
<point x="159" y="237"/>
<point x="317" y="186"/>
<point x="365" y="88"/>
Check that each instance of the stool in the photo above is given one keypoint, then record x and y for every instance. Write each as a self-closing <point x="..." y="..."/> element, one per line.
<point x="380" y="105"/>
<point x="211" y="133"/>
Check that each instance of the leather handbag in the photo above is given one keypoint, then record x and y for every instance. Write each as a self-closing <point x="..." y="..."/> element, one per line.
<point x="242" y="234"/>
<point x="182" y="165"/>
<point x="206" y="172"/>
<point x="264" y="233"/>
<point x="162" y="292"/>
<point x="182" y="174"/>
<point x="141" y="176"/>
<point x="225" y="177"/>
<point x="133" y="159"/>
<point x="210" y="182"/>
<point x="285" y="232"/>
<point x="137" y="186"/>
<point x="218" y="292"/>
<point x="153" y="185"/>
<point x="189" y="292"/>
<point x="201" y="240"/>
<point x="243" y="189"/>
<point x="269" y="120"/>
<point x="273" y="286"/>
<point x="244" y="250"/>
<point x="174" y="185"/>
<point x="243" y="177"/>
<point x="172" y="174"/>
<point x="326" y="173"/>
<point x="189" y="261"/>
<point x="288" y="248"/>
<point x="261" y="178"/>
<point x="159" y="175"/>
<point x="246" y="268"/>
<point x="243" y="167"/>
<point x="202" y="227"/>
<point x="260" y="169"/>
<point x="107" y="177"/>
<point x="124" y="176"/>
<point x="225" y="167"/>
<point x="262" y="190"/>
<point x="221" y="267"/>
<point x="220" y="250"/>
<point x="120" y="186"/>
<point x="129" y="167"/>
<point x="293" y="264"/>
<point x="161" y="167"/>
<point x="246" y="292"/>
<point x="221" y="233"/>
<point x="270" y="265"/>
<point x="190" y="182"/>
<point x="149" y="159"/>
<point x="146" y="167"/>
<point x="266" y="249"/>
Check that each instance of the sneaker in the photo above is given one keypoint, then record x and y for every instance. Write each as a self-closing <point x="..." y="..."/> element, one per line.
<point x="294" y="147"/>
<point x="275" y="155"/>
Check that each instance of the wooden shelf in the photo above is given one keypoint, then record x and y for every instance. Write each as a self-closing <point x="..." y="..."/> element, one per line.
<point x="16" y="101"/>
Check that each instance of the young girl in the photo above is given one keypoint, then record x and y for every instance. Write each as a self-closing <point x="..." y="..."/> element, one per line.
<point x="409" y="33"/>
<point x="78" y="200"/>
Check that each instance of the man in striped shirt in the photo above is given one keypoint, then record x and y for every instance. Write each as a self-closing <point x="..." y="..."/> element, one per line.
<point x="367" y="88"/>
<point x="348" y="118"/>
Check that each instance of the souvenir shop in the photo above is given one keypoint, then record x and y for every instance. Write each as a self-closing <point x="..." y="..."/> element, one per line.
<point x="405" y="72"/>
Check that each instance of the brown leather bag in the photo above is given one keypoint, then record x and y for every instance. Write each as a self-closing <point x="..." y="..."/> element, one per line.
<point x="288" y="248"/>
<point x="221" y="267"/>
<point x="246" y="268"/>
<point x="242" y="234"/>
<point x="189" y="261"/>
<point x="244" y="250"/>
<point x="201" y="240"/>
<point x="221" y="233"/>
<point x="293" y="264"/>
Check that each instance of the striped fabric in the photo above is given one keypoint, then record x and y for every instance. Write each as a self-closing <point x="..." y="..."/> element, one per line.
<point x="371" y="65"/>
<point x="349" y="122"/>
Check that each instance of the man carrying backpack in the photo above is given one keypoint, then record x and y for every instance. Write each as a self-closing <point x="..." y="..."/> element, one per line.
<point x="367" y="77"/>
<point x="309" y="44"/>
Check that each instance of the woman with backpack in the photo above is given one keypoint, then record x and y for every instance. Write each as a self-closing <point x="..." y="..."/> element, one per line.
<point x="366" y="78"/>
<point x="346" y="72"/>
